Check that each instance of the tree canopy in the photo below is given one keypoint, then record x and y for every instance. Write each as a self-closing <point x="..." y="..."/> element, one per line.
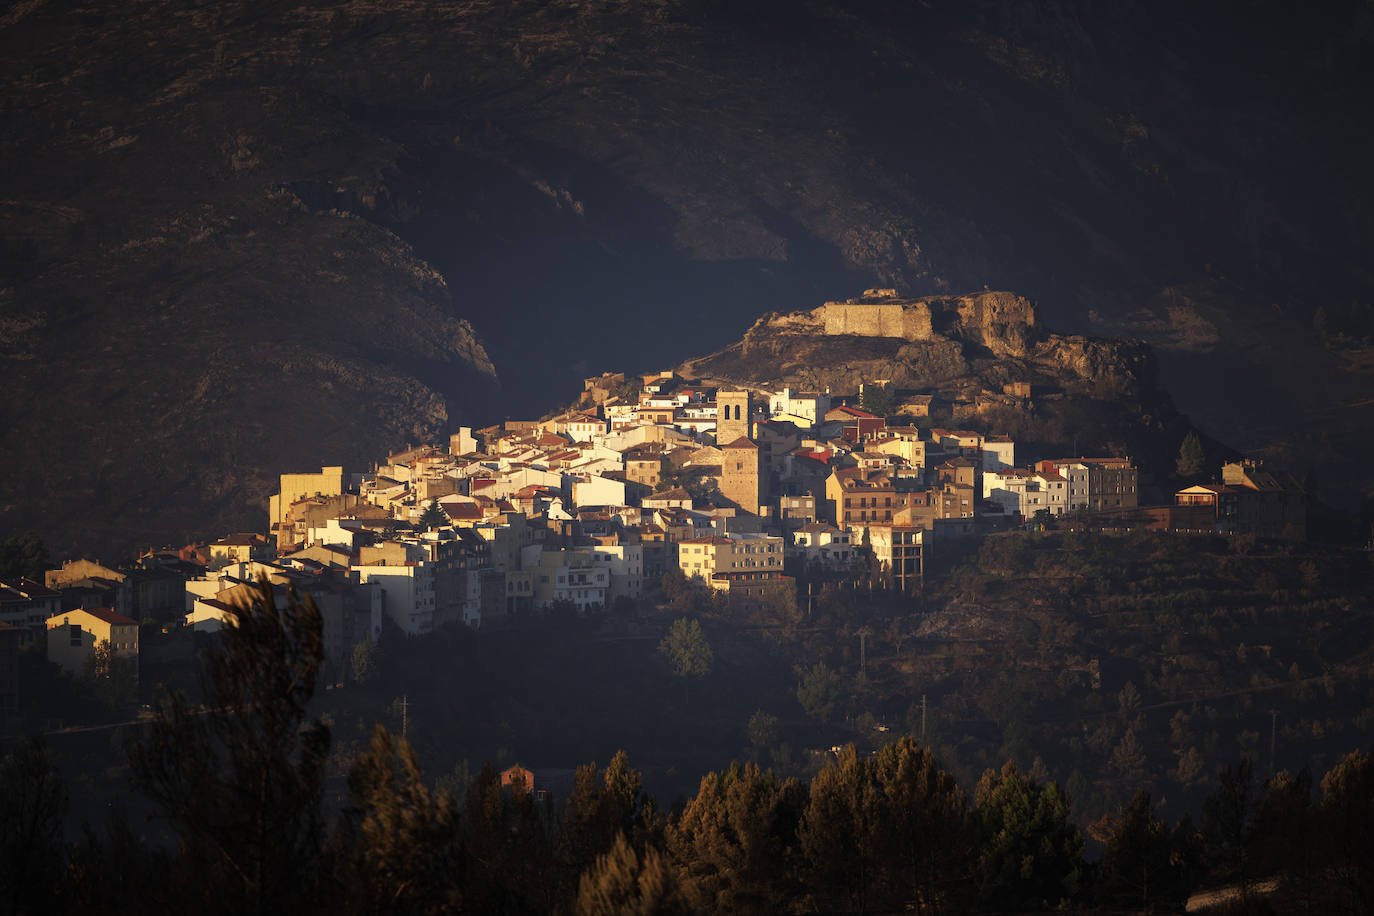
<point x="1192" y="458"/>
<point x="686" y="650"/>
<point x="241" y="778"/>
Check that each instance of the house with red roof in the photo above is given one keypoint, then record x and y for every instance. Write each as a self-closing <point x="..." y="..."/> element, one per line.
<point x="74" y="635"/>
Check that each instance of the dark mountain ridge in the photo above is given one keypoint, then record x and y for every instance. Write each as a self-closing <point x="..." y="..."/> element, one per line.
<point x="242" y="239"/>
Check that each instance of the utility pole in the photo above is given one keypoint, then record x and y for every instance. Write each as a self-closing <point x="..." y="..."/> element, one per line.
<point x="405" y="718"/>
<point x="923" y="718"/>
<point x="1273" y="732"/>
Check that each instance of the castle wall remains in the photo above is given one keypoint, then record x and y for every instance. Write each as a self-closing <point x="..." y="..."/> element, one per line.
<point x="910" y="321"/>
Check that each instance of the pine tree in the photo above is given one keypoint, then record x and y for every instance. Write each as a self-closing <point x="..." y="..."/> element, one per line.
<point x="1192" y="458"/>
<point x="889" y="832"/>
<point x="818" y="693"/>
<point x="1138" y="868"/>
<point x="602" y="806"/>
<point x="33" y="804"/>
<point x="1030" y="853"/>
<point x="241" y="777"/>
<point x="1347" y="816"/>
<point x="732" y="843"/>
<point x="626" y="882"/>
<point x="433" y="516"/>
<point x="398" y="847"/>
<point x="506" y="849"/>
<point x="876" y="399"/>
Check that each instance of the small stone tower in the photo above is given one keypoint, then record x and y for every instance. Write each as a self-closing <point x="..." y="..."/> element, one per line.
<point x="741" y="474"/>
<point x="733" y="409"/>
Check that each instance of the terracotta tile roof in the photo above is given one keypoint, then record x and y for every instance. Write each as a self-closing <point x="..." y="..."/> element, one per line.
<point x="109" y="616"/>
<point x="31" y="589"/>
<point x="676" y="493"/>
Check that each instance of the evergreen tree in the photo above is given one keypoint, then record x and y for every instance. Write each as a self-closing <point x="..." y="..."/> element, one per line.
<point x="1347" y="820"/>
<point x="602" y="806"/>
<point x="1288" y="836"/>
<point x="433" y="516"/>
<point x="889" y="832"/>
<point x="762" y="731"/>
<point x="686" y="650"/>
<point x="33" y="804"/>
<point x="876" y="399"/>
<point x="1030" y="853"/>
<point x="506" y="849"/>
<point x="818" y="692"/>
<point x="24" y="555"/>
<point x="397" y="847"/>
<point x="626" y="882"/>
<point x="1228" y="821"/>
<point x="1138" y="868"/>
<point x="1192" y="458"/>
<point x="733" y="843"/>
<point x="241" y="777"/>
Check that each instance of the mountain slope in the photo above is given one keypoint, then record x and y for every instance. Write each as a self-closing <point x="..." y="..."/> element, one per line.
<point x="416" y="197"/>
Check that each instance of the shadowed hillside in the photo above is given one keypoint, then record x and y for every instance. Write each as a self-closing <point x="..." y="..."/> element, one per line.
<point x="240" y="239"/>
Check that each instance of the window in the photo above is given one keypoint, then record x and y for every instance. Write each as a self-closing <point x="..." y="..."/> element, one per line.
<point x="75" y="634"/>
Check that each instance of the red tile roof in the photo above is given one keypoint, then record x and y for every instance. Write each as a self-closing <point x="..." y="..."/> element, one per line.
<point x="109" y="616"/>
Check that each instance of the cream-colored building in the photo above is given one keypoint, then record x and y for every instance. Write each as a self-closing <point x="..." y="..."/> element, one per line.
<point x="74" y="635"/>
<point x="732" y="553"/>
<point x="328" y="482"/>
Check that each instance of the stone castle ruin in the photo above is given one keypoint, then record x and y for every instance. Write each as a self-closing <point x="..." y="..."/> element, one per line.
<point x="1003" y="322"/>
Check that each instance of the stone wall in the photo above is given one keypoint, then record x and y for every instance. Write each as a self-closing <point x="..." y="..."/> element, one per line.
<point x="909" y="321"/>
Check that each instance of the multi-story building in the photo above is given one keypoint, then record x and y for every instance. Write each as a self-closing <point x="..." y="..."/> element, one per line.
<point x="26" y="605"/>
<point x="860" y="497"/>
<point x="1109" y="483"/>
<point x="1251" y="500"/>
<point x="804" y="408"/>
<point x="74" y="635"/>
<point x="823" y="545"/>
<point x="408" y="593"/>
<point x="736" y="552"/>
<point x="1025" y="492"/>
<point x="573" y="576"/>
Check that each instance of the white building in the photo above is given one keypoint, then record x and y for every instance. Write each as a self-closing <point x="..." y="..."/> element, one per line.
<point x="804" y="406"/>
<point x="407" y="594"/>
<point x="626" y="565"/>
<point x="998" y="452"/>
<point x="1023" y="492"/>
<point x="575" y="576"/>
<point x="822" y="544"/>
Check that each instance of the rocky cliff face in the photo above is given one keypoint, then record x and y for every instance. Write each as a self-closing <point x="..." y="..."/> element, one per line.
<point x="950" y="338"/>
<point x="1094" y="393"/>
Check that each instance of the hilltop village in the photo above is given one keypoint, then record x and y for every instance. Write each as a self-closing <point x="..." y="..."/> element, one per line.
<point x="741" y="488"/>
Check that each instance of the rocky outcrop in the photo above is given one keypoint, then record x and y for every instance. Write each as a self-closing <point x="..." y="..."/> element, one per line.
<point x="969" y="350"/>
<point x="928" y="341"/>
